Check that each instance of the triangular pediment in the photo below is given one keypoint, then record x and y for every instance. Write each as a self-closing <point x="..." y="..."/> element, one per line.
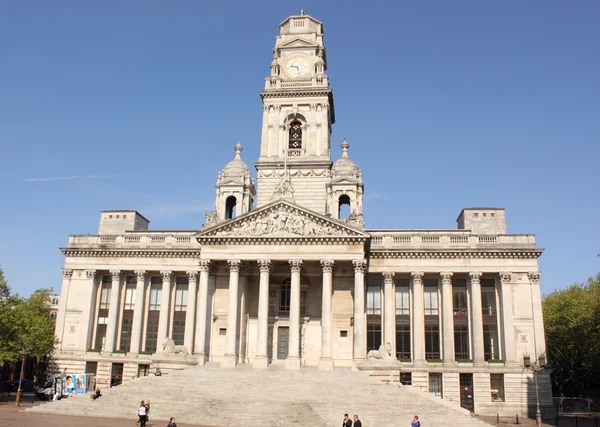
<point x="231" y="182"/>
<point x="298" y="42"/>
<point x="344" y="180"/>
<point x="281" y="219"/>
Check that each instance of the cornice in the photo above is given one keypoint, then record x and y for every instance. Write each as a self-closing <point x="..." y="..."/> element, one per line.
<point x="285" y="93"/>
<point x="457" y="254"/>
<point x="131" y="253"/>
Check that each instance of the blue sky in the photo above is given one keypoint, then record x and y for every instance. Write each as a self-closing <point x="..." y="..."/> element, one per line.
<point x="138" y="104"/>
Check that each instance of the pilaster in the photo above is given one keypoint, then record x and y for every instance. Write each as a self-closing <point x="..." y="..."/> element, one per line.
<point x="326" y="361"/>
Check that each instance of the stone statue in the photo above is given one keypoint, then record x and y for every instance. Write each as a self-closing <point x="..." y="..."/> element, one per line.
<point x="212" y="218"/>
<point x="169" y="347"/>
<point x="384" y="353"/>
<point x="356" y="219"/>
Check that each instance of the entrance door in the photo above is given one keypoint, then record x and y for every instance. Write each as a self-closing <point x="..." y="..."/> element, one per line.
<point x="466" y="392"/>
<point x="282" y="342"/>
<point x="116" y="374"/>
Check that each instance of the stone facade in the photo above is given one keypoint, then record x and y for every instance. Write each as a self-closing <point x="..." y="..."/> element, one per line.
<point x="288" y="282"/>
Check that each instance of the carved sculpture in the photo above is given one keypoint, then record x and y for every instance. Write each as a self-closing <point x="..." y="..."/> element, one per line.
<point x="169" y="347"/>
<point x="355" y="218"/>
<point x="384" y="353"/>
<point x="280" y="222"/>
<point x="212" y="218"/>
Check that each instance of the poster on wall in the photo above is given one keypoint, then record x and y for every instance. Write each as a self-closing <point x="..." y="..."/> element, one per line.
<point x="75" y="382"/>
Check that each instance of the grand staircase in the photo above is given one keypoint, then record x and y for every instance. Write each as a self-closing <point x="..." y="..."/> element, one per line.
<point x="214" y="396"/>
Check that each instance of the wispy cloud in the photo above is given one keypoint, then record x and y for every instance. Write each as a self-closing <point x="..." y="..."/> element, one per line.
<point x="68" y="178"/>
<point x="168" y="210"/>
<point x="376" y="195"/>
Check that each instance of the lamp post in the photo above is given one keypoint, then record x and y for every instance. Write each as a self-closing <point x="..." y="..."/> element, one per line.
<point x="23" y="351"/>
<point x="536" y="369"/>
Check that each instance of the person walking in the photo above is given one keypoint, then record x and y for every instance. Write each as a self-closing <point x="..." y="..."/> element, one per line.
<point x="357" y="422"/>
<point x="142" y="414"/>
<point x="347" y="422"/>
<point x="415" y="422"/>
<point x="172" y="422"/>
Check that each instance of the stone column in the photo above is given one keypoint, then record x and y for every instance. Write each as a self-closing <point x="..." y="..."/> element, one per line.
<point x="230" y="359"/>
<point x="138" y="312"/>
<point x="90" y="319"/>
<point x="508" y="327"/>
<point x="389" y="313"/>
<point x="293" y="359"/>
<point x="204" y="265"/>
<point x="326" y="362"/>
<point x="190" y="313"/>
<point x="62" y="305"/>
<point x="165" y="305"/>
<point x="476" y="317"/>
<point x="113" y="311"/>
<point x="538" y="318"/>
<point x="418" y="316"/>
<point x="262" y="359"/>
<point x="359" y="329"/>
<point x="447" y="317"/>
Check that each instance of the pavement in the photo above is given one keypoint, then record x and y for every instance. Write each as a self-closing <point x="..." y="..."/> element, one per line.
<point x="11" y="416"/>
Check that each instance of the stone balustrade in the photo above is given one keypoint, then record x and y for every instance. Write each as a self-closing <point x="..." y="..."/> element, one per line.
<point x="169" y="239"/>
<point x="418" y="239"/>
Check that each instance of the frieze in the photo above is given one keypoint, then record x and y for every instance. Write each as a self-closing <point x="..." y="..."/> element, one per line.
<point x="129" y="253"/>
<point x="453" y="254"/>
<point x="277" y="173"/>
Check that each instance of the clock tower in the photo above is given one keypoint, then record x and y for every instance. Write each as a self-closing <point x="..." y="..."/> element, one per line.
<point x="295" y="159"/>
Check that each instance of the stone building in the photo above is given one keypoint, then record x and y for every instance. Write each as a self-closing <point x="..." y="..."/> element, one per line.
<point x="284" y="272"/>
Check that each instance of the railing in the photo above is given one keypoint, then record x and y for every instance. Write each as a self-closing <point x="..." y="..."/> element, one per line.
<point x="296" y="83"/>
<point x="175" y="239"/>
<point x="448" y="239"/>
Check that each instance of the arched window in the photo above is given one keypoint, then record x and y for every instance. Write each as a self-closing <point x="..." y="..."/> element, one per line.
<point x="230" y="204"/>
<point x="295" y="135"/>
<point x="344" y="206"/>
<point x="285" y="292"/>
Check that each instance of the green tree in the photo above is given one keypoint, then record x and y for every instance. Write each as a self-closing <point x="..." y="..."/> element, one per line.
<point x="572" y="321"/>
<point x="25" y="319"/>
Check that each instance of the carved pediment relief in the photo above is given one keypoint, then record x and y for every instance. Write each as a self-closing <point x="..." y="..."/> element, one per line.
<point x="282" y="219"/>
<point x="298" y="42"/>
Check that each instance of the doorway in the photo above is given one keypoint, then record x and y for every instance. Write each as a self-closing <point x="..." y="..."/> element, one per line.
<point x="116" y="374"/>
<point x="466" y="392"/>
<point x="283" y="333"/>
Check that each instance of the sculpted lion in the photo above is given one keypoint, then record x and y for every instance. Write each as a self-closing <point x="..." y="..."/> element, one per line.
<point x="384" y="352"/>
<point x="169" y="347"/>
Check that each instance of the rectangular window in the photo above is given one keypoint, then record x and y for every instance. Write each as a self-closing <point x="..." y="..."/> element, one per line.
<point x="432" y="342"/>
<point x="343" y="334"/>
<point x="129" y="297"/>
<point x="488" y="300"/>
<point x="373" y="296"/>
<point x="403" y="341"/>
<point x="491" y="349"/>
<point x="222" y="331"/>
<point x="402" y="297"/>
<point x="155" y="296"/>
<point x="179" y="327"/>
<point x="459" y="301"/>
<point x="100" y="336"/>
<point x="435" y="384"/>
<point x="285" y="294"/>
<point x="104" y="297"/>
<point x="497" y="387"/>
<point x="373" y="336"/>
<point x="126" y="326"/>
<point x="461" y="342"/>
<point x="431" y="301"/>
<point x="181" y="296"/>
<point x="152" y="331"/>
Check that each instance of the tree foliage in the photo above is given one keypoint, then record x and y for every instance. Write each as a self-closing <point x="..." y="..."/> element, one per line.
<point x="25" y="319"/>
<point x="572" y="321"/>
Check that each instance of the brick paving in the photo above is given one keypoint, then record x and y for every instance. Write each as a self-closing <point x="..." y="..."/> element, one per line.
<point x="11" y="416"/>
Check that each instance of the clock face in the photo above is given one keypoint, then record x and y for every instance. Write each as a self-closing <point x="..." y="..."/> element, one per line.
<point x="297" y="66"/>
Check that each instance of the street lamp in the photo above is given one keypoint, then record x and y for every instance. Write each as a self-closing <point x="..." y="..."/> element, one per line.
<point x="536" y="368"/>
<point x="23" y="351"/>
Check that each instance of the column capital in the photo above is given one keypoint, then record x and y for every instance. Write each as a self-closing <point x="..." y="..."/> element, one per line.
<point x="327" y="265"/>
<point x="388" y="276"/>
<point x="91" y="273"/>
<point x="295" y="265"/>
<point x="417" y="276"/>
<point x="264" y="265"/>
<point x="67" y="273"/>
<point x="474" y="276"/>
<point x="166" y="275"/>
<point x="534" y="277"/>
<point x="360" y="265"/>
<point x="116" y="274"/>
<point x="446" y="276"/>
<point x="505" y="277"/>
<point x="204" y="264"/>
<point x="234" y="265"/>
<point x="140" y="274"/>
<point x="192" y="275"/>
